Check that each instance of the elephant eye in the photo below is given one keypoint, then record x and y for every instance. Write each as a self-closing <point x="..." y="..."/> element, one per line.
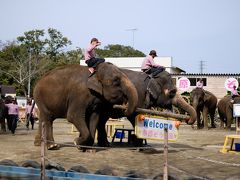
<point x="116" y="81"/>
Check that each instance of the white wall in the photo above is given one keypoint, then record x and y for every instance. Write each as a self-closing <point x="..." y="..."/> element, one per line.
<point x="134" y="63"/>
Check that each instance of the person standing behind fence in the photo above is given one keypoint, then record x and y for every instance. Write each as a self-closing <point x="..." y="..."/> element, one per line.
<point x="13" y="112"/>
<point x="29" y="115"/>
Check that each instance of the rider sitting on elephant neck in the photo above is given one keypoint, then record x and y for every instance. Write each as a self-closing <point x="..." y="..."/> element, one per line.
<point x="234" y="93"/>
<point x="149" y="66"/>
<point x="90" y="58"/>
<point x="200" y="83"/>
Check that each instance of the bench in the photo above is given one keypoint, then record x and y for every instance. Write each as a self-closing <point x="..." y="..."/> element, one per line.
<point x="121" y="131"/>
<point x="229" y="138"/>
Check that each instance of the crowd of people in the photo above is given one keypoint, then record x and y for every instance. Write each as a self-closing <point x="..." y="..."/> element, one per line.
<point x="13" y="114"/>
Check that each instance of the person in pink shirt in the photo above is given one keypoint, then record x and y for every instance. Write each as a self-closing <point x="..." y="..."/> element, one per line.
<point x="13" y="112"/>
<point x="29" y="114"/>
<point x="149" y="66"/>
<point x="234" y="93"/>
<point x="89" y="55"/>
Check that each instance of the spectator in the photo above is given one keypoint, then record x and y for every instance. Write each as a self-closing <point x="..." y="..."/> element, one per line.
<point x="149" y="66"/>
<point x="29" y="112"/>
<point x="13" y="112"/>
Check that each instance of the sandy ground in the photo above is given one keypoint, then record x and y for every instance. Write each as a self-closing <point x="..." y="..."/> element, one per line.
<point x="195" y="154"/>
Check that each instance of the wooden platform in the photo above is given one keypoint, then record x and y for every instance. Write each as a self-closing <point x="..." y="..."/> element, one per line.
<point x="230" y="139"/>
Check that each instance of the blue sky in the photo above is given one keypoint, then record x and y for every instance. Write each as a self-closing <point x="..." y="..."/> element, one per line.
<point x="188" y="30"/>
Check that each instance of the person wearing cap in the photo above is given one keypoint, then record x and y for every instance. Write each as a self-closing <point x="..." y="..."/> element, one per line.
<point x="89" y="55"/>
<point x="234" y="93"/>
<point x="149" y="66"/>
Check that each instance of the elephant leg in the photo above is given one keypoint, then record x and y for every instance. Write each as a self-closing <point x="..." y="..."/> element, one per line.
<point x="3" y="125"/>
<point x="93" y="122"/>
<point x="205" y="117"/>
<point x="198" y="120"/>
<point x="102" y="134"/>
<point x="212" y="116"/>
<point x="229" y="118"/>
<point x="48" y="126"/>
<point x="77" y="117"/>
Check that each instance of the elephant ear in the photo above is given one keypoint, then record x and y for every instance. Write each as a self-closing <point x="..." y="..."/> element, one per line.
<point x="95" y="85"/>
<point x="153" y="88"/>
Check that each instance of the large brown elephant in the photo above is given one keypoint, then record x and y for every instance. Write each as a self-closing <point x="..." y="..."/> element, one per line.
<point x="159" y="91"/>
<point x="225" y="110"/>
<point x="69" y="92"/>
<point x="204" y="102"/>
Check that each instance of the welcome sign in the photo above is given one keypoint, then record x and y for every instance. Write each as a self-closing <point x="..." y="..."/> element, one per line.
<point x="153" y="128"/>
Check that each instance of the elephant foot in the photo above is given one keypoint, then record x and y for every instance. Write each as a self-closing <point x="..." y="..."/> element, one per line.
<point x="53" y="146"/>
<point x="213" y="126"/>
<point x="103" y="144"/>
<point x="79" y="141"/>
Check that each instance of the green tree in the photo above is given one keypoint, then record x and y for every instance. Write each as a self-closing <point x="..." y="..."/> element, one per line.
<point x="119" y="51"/>
<point x="55" y="43"/>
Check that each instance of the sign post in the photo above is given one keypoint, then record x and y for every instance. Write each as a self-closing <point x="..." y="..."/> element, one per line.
<point x="236" y="114"/>
<point x="157" y="128"/>
<point x="165" y="149"/>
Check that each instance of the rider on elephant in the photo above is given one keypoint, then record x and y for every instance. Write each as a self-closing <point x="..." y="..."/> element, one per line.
<point x="149" y="66"/>
<point x="200" y="83"/>
<point x="234" y="93"/>
<point x="90" y="58"/>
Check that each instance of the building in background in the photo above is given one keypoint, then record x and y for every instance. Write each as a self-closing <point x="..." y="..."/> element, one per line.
<point x="214" y="83"/>
<point x="6" y="90"/>
<point x="135" y="63"/>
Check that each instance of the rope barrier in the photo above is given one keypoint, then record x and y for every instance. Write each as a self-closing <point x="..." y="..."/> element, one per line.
<point x="131" y="148"/>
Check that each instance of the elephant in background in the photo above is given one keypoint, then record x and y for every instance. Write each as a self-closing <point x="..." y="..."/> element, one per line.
<point x="3" y="113"/>
<point x="69" y="92"/>
<point x="225" y="110"/>
<point x="204" y="102"/>
<point x="158" y="91"/>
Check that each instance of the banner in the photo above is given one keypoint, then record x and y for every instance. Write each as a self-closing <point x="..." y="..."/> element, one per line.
<point x="153" y="128"/>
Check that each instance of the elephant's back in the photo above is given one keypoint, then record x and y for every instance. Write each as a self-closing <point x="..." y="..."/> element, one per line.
<point x="58" y="85"/>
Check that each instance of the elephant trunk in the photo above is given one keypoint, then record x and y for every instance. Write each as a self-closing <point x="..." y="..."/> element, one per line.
<point x="131" y="94"/>
<point x="180" y="102"/>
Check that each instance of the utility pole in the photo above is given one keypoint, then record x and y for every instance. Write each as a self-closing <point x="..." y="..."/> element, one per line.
<point x="29" y="73"/>
<point x="202" y="65"/>
<point x="133" y="31"/>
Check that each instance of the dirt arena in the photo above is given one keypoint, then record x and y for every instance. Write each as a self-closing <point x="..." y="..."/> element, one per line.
<point x="195" y="155"/>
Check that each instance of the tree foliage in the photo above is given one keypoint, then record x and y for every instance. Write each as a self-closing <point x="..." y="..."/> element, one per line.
<point x="119" y="51"/>
<point x="34" y="53"/>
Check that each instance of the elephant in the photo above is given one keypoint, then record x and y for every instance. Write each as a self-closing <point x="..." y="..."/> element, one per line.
<point x="225" y="110"/>
<point x="68" y="92"/>
<point x="204" y="102"/>
<point x="2" y="115"/>
<point x="158" y="91"/>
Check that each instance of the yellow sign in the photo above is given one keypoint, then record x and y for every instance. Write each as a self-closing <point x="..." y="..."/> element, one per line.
<point x="153" y="128"/>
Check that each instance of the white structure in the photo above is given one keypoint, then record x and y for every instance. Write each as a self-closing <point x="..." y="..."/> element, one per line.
<point x="134" y="63"/>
